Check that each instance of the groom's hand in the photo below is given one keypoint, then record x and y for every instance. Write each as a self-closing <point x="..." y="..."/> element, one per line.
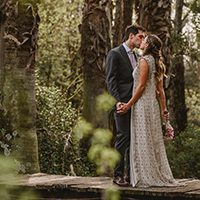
<point x="123" y="108"/>
<point x="119" y="107"/>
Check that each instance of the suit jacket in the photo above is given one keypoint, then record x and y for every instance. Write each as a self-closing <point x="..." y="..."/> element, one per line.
<point x="119" y="77"/>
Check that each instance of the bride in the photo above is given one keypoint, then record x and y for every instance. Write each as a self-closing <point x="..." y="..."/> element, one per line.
<point x="148" y="160"/>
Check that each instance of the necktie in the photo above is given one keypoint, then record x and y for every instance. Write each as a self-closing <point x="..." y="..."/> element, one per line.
<point x="132" y="58"/>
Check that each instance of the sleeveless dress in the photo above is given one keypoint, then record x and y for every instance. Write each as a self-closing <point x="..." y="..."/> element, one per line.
<point x="148" y="160"/>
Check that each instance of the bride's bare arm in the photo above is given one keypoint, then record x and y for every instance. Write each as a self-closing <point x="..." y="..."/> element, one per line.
<point x="161" y="97"/>
<point x="143" y="75"/>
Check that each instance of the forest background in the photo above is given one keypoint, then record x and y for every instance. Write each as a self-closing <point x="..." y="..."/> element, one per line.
<point x="74" y="37"/>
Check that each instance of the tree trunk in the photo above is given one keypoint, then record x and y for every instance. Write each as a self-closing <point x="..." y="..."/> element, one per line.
<point x="155" y="17"/>
<point x="95" y="43"/>
<point x="118" y="23"/>
<point x="177" y="104"/>
<point x="127" y="14"/>
<point x="123" y="18"/>
<point x="18" y="45"/>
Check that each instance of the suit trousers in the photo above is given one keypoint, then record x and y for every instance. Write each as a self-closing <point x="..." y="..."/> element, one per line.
<point x="122" y="143"/>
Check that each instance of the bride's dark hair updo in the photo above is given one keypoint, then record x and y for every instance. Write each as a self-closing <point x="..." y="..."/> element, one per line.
<point x="154" y="48"/>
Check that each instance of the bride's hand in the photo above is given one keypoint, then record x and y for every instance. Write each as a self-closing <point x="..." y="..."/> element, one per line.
<point x="165" y="116"/>
<point x="124" y="108"/>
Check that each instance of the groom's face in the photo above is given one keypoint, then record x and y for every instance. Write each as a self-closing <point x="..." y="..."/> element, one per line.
<point x="138" y="38"/>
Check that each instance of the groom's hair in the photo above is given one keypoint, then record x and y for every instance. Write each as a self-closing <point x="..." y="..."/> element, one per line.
<point x="134" y="29"/>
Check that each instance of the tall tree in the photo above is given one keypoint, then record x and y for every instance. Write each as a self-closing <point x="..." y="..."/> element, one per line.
<point x="19" y="24"/>
<point x="123" y="13"/>
<point x="177" y="104"/>
<point x="155" y="16"/>
<point x="127" y="14"/>
<point x="95" y="43"/>
<point x="118" y="23"/>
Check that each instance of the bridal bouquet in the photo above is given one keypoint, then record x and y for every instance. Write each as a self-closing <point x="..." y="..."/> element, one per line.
<point x="168" y="130"/>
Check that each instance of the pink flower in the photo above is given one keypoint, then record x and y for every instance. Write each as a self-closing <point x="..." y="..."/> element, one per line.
<point x="169" y="131"/>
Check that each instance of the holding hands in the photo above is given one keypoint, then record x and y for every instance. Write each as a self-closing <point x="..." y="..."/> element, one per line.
<point x="122" y="107"/>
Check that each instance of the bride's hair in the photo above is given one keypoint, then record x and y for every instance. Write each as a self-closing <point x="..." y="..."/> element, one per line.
<point x="154" y="48"/>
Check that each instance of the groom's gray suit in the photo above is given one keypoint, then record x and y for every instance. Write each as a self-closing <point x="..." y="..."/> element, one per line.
<point x="119" y="81"/>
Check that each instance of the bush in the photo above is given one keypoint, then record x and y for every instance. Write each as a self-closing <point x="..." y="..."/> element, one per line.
<point x="193" y="103"/>
<point x="6" y="133"/>
<point x="59" y="89"/>
<point x="183" y="153"/>
<point x="55" y="119"/>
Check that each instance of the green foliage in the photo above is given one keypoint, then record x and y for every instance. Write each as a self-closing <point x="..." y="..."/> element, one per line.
<point x="102" y="137"/>
<point x="59" y="88"/>
<point x="6" y="134"/>
<point x="195" y="7"/>
<point x="183" y="153"/>
<point x="192" y="67"/>
<point x="192" y="53"/>
<point x="180" y="45"/>
<point x="104" y="158"/>
<point x="7" y="175"/>
<point x="99" y="140"/>
<point x="105" y="102"/>
<point x="187" y="43"/>
<point x="82" y="129"/>
<point x="25" y="2"/>
<point x="193" y="103"/>
<point x="8" y="179"/>
<point x="100" y="152"/>
<point x="112" y="193"/>
<point x="55" y="119"/>
<point x="59" y="39"/>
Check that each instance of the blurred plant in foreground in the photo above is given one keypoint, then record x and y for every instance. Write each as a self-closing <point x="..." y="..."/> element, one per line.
<point x="100" y="151"/>
<point x="9" y="178"/>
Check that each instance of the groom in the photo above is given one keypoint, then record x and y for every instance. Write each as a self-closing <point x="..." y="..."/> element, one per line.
<point x="120" y="63"/>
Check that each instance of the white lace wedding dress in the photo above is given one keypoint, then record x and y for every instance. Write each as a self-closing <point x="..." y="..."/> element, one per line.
<point x="148" y="161"/>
